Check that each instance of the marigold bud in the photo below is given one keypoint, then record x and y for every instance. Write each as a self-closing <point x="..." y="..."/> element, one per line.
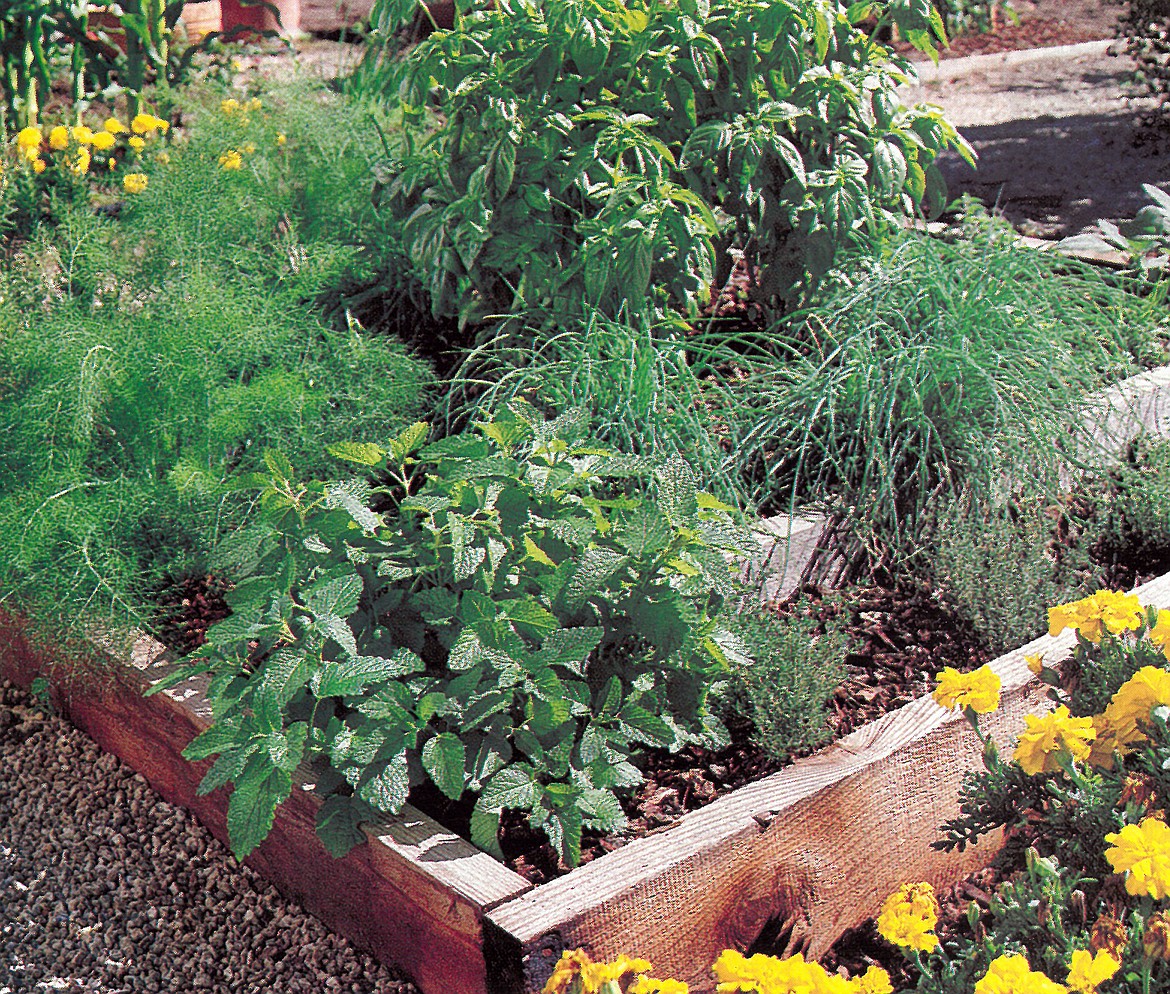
<point x="1108" y="935"/>
<point x="1156" y="937"/>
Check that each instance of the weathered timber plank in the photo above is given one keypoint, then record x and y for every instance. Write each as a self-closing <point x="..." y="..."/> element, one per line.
<point x="818" y="845"/>
<point x="415" y="896"/>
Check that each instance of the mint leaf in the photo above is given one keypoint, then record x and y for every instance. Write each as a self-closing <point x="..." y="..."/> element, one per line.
<point x="362" y="453"/>
<point x="337" y="597"/>
<point x="252" y="806"/>
<point x="443" y="759"/>
<point x="513" y="787"/>
<point x="485" y="829"/>
<point x="388" y="787"/>
<point x="338" y="825"/>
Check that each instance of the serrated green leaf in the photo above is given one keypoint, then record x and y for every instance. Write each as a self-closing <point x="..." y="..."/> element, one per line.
<point x="531" y="618"/>
<point x="514" y="786"/>
<point x="534" y="552"/>
<point x="218" y="738"/>
<point x="336" y="597"/>
<point x="563" y="828"/>
<point x="386" y="787"/>
<point x="362" y="453"/>
<point x="594" y="569"/>
<point x="443" y="758"/>
<point x="644" y="531"/>
<point x="407" y="441"/>
<point x="647" y="727"/>
<point x="226" y="768"/>
<point x="252" y="806"/>
<point x="338" y="824"/>
<point x="485" y="829"/>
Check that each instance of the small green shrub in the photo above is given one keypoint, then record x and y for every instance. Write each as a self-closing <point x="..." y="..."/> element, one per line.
<point x="795" y="668"/>
<point x="1132" y="514"/>
<point x="569" y="155"/>
<point x="496" y="617"/>
<point x="967" y="16"/>
<point x="997" y="565"/>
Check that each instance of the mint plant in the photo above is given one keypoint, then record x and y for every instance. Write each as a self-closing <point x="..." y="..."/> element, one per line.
<point x="511" y="612"/>
<point x="614" y="155"/>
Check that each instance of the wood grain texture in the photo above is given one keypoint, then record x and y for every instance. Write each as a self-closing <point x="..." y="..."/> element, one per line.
<point x="415" y="896"/>
<point x="817" y="846"/>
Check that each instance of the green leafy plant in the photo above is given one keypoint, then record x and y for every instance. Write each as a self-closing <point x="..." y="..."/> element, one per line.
<point x="614" y="156"/>
<point x="1145" y="239"/>
<point x="1145" y="25"/>
<point x="995" y="563"/>
<point x="796" y="666"/>
<point x="965" y="16"/>
<point x="502" y="613"/>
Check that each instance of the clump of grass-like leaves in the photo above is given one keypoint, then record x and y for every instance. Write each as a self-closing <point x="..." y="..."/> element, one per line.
<point x="927" y="369"/>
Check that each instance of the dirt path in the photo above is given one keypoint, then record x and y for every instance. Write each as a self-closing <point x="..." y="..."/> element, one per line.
<point x="1057" y="134"/>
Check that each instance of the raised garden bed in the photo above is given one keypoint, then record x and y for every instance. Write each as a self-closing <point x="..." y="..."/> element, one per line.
<point x="811" y="850"/>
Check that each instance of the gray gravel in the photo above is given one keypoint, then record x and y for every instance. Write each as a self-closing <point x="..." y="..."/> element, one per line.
<point x="1058" y="136"/>
<point x="105" y="887"/>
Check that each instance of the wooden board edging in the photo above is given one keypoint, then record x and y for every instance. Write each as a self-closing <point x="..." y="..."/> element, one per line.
<point x="816" y="846"/>
<point x="415" y="896"/>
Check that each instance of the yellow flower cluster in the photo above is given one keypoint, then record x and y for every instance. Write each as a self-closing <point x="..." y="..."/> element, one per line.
<point x="576" y="973"/>
<point x="231" y="159"/>
<point x="575" y="970"/>
<point x="978" y="691"/>
<point x="80" y="142"/>
<point x="134" y="182"/>
<point x="1049" y="738"/>
<point x="761" y="974"/>
<point x="1142" y="853"/>
<point x="1119" y="727"/>
<point x="232" y="106"/>
<point x="909" y="916"/>
<point x="1105" y="611"/>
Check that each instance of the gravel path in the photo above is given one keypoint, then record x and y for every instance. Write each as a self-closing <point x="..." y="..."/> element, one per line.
<point x="105" y="887"/>
<point x="1057" y="135"/>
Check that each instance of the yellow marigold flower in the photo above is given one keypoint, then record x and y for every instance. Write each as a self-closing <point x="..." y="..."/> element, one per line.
<point x="568" y="966"/>
<point x="249" y="148"/>
<point x="134" y="182"/>
<point x="38" y="166"/>
<point x="875" y="980"/>
<point x="1035" y="663"/>
<point x="103" y="141"/>
<point x="594" y="975"/>
<point x="59" y="138"/>
<point x="82" y="135"/>
<point x="281" y="138"/>
<point x="793" y="975"/>
<point x="1156" y="936"/>
<point x="114" y="127"/>
<point x="1142" y="853"/>
<point x="909" y="916"/>
<point x="229" y="106"/>
<point x="1121" y="612"/>
<point x="1087" y="972"/>
<point x="1160" y="633"/>
<point x="1147" y="689"/>
<point x="28" y="138"/>
<point x="81" y="165"/>
<point x="136" y="143"/>
<point x="147" y="124"/>
<point x="253" y="104"/>
<point x="652" y="985"/>
<point x="1012" y="975"/>
<point x="1083" y="616"/>
<point x="231" y="159"/>
<point x="111" y="164"/>
<point x="1104" y="745"/>
<point x="32" y="153"/>
<point x="978" y="691"/>
<point x="1046" y="738"/>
